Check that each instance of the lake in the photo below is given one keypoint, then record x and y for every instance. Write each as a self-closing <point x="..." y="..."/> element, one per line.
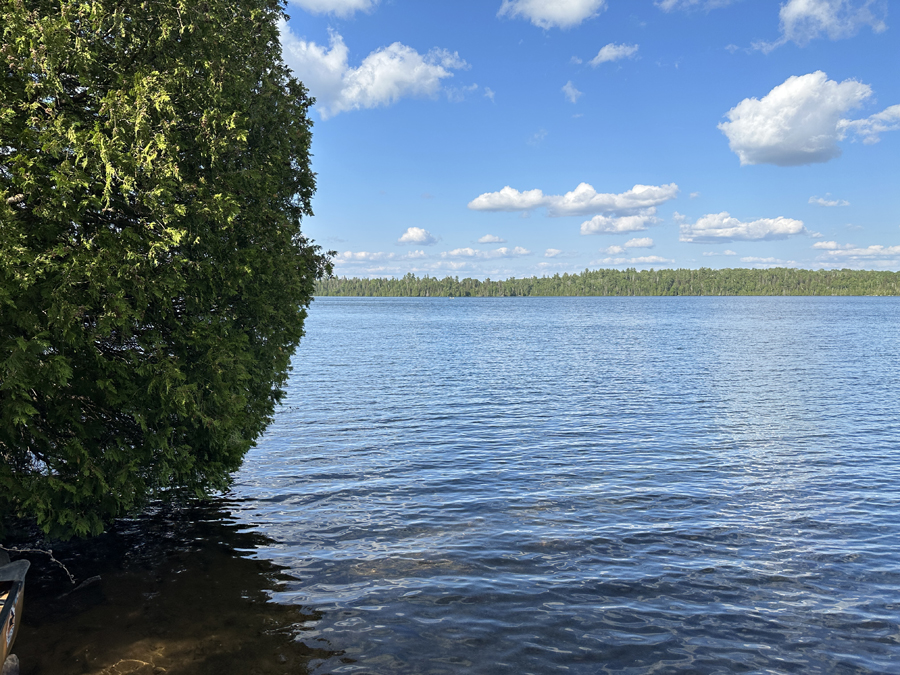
<point x="588" y="485"/>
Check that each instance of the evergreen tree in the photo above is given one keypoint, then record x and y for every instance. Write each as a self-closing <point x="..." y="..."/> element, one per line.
<point x="154" y="169"/>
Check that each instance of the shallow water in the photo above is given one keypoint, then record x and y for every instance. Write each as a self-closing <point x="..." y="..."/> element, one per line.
<point x="589" y="485"/>
<point x="174" y="592"/>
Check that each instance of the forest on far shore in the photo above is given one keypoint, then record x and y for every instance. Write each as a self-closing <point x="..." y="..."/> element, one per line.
<point x="628" y="282"/>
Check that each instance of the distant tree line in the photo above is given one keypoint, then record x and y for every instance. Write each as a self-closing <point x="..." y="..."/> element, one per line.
<point x="628" y="282"/>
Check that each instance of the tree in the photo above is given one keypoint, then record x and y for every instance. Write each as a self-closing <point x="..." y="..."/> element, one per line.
<point x="154" y="167"/>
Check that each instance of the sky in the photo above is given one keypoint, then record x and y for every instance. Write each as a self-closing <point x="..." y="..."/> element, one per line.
<point x="500" y="138"/>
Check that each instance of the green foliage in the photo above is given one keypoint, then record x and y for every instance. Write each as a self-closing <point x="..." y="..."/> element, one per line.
<point x="704" y="281"/>
<point x="154" y="169"/>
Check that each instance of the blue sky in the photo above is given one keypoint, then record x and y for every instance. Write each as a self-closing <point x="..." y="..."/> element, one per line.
<point x="498" y="138"/>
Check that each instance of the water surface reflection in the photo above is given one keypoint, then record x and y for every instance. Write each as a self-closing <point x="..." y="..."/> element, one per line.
<point x="587" y="485"/>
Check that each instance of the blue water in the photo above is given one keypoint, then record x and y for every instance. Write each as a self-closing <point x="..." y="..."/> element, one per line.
<point x="589" y="485"/>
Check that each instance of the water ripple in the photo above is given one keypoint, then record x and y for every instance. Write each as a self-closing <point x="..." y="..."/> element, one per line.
<point x="589" y="485"/>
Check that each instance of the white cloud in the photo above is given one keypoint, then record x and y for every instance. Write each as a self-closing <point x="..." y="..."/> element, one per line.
<point x="614" y="52"/>
<point x="721" y="227"/>
<point x="831" y="245"/>
<point x="824" y="201"/>
<point x="695" y="195"/>
<point x="384" y="76"/>
<point x="806" y="20"/>
<point x="572" y="94"/>
<point x="458" y="94"/>
<point x="798" y="122"/>
<point x="552" y="13"/>
<point x="508" y="199"/>
<point x="670" y="5"/>
<point x="417" y="235"/>
<point x="619" y="224"/>
<point x="642" y="260"/>
<point x="502" y="252"/>
<point x="717" y="253"/>
<point x="833" y="250"/>
<point x="552" y="252"/>
<point x="642" y="242"/>
<point x="367" y="256"/>
<point x="649" y="260"/>
<point x="489" y="93"/>
<point x="342" y="8"/>
<point x="583" y="200"/>
<point x="769" y="262"/>
<point x="491" y="239"/>
<point x="461" y="253"/>
<point x="869" y="128"/>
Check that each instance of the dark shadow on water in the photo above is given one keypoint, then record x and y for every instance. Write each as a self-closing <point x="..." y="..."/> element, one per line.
<point x="178" y="593"/>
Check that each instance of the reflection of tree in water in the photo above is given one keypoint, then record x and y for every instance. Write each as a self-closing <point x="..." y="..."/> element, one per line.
<point x="176" y="595"/>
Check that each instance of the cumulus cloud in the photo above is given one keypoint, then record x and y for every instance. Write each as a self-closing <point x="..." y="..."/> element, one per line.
<point x="491" y="239"/>
<point x="649" y="260"/>
<point x="641" y="260"/>
<point x="614" y="52"/>
<point x="583" y="200"/>
<point x="805" y="20"/>
<point x="502" y="252"/>
<point x="572" y="94"/>
<point x="716" y="253"/>
<point x="619" y="224"/>
<point x="643" y="242"/>
<point x="824" y="201"/>
<point x="721" y="227"/>
<point x="552" y="13"/>
<point x="375" y="256"/>
<point x="798" y="122"/>
<point x="342" y="8"/>
<point x="831" y="245"/>
<point x="384" y="76"/>
<point x="508" y="199"/>
<point x="835" y="251"/>
<point x="869" y="129"/>
<point x="552" y="253"/>
<point x="417" y="235"/>
<point x="768" y="262"/>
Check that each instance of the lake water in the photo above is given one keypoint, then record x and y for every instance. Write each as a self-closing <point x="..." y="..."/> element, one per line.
<point x="588" y="485"/>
